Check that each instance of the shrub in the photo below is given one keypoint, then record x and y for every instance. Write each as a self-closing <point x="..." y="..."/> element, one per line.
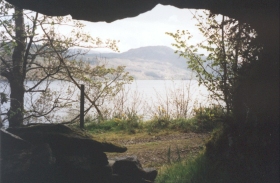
<point x="109" y="125"/>
<point x="184" y="171"/>
<point x="155" y="125"/>
<point x="128" y="122"/>
<point x="182" y="124"/>
<point x="207" y="118"/>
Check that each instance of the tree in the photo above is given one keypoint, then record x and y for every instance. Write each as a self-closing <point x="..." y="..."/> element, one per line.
<point x="32" y="49"/>
<point x="229" y="46"/>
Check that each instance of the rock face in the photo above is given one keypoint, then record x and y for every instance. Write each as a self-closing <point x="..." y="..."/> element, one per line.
<point x="57" y="154"/>
<point x="112" y="10"/>
<point x="12" y="143"/>
<point x="263" y="15"/>
<point x="129" y="169"/>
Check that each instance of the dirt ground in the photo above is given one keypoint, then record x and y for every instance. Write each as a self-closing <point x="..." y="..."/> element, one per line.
<point x="155" y="150"/>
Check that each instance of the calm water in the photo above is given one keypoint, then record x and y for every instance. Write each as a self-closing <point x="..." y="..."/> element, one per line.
<point x="153" y="87"/>
<point x="150" y="93"/>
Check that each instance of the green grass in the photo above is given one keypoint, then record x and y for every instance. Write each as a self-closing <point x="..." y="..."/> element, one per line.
<point x="204" y="120"/>
<point x="237" y="152"/>
<point x="151" y="126"/>
<point x="196" y="170"/>
<point x="109" y="125"/>
<point x="249" y="159"/>
<point x="181" y="172"/>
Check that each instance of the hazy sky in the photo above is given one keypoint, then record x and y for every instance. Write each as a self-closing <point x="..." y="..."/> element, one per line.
<point x="147" y="29"/>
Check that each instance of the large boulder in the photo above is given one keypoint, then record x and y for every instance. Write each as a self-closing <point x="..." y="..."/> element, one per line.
<point x="64" y="140"/>
<point x="24" y="162"/>
<point x="59" y="154"/>
<point x="128" y="169"/>
<point x="54" y="153"/>
<point x="11" y="143"/>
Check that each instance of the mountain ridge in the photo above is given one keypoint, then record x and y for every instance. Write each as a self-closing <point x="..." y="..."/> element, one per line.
<point x="149" y="62"/>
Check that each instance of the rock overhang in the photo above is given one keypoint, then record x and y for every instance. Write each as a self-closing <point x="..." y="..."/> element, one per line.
<point x="263" y="15"/>
<point x="111" y="10"/>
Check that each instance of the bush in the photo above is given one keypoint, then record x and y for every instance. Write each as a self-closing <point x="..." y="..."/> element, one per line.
<point x="205" y="119"/>
<point x="109" y="125"/>
<point x="182" y="124"/>
<point x="189" y="171"/>
<point x="159" y="121"/>
<point x="208" y="118"/>
<point x="129" y="122"/>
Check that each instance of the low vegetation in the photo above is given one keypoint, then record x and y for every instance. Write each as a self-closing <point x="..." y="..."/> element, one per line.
<point x="246" y="146"/>
<point x="203" y="148"/>
<point x="205" y="119"/>
<point x="227" y="159"/>
<point x="159" y="142"/>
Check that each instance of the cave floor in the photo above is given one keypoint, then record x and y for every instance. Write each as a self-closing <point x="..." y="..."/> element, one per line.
<point x="157" y="149"/>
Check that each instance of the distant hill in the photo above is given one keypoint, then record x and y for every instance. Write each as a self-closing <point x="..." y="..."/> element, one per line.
<point x="151" y="62"/>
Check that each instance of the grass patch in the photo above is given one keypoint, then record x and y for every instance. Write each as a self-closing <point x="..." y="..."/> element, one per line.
<point x="205" y="119"/>
<point x="232" y="155"/>
<point x="180" y="171"/>
<point x="109" y="125"/>
<point x="195" y="170"/>
<point x="151" y="148"/>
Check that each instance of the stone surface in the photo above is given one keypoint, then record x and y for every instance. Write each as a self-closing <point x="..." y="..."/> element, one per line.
<point x="31" y="165"/>
<point x="64" y="139"/>
<point x="112" y="10"/>
<point x="150" y="174"/>
<point x="60" y="154"/>
<point x="129" y="168"/>
<point x="54" y="153"/>
<point x="262" y="14"/>
<point x="11" y="143"/>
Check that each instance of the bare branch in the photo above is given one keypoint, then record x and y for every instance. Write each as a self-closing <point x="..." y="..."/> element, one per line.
<point x="29" y="45"/>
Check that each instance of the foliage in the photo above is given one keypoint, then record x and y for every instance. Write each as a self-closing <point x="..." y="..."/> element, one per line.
<point x="245" y="148"/>
<point x="126" y="122"/>
<point x="129" y="122"/>
<point x="33" y="49"/>
<point x="226" y="162"/>
<point x="161" y="119"/>
<point x="102" y="127"/>
<point x="183" y="171"/>
<point x="205" y="120"/>
<point x="228" y="45"/>
<point x="197" y="170"/>
<point x="184" y="125"/>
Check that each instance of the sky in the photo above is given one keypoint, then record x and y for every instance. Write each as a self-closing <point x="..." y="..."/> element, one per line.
<point x="147" y="29"/>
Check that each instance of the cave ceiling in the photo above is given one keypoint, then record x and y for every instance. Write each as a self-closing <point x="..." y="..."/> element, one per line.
<point x="263" y="15"/>
<point x="111" y="10"/>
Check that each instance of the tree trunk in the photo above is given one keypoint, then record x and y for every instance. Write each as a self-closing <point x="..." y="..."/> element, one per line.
<point x="16" y="80"/>
<point x="225" y="87"/>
